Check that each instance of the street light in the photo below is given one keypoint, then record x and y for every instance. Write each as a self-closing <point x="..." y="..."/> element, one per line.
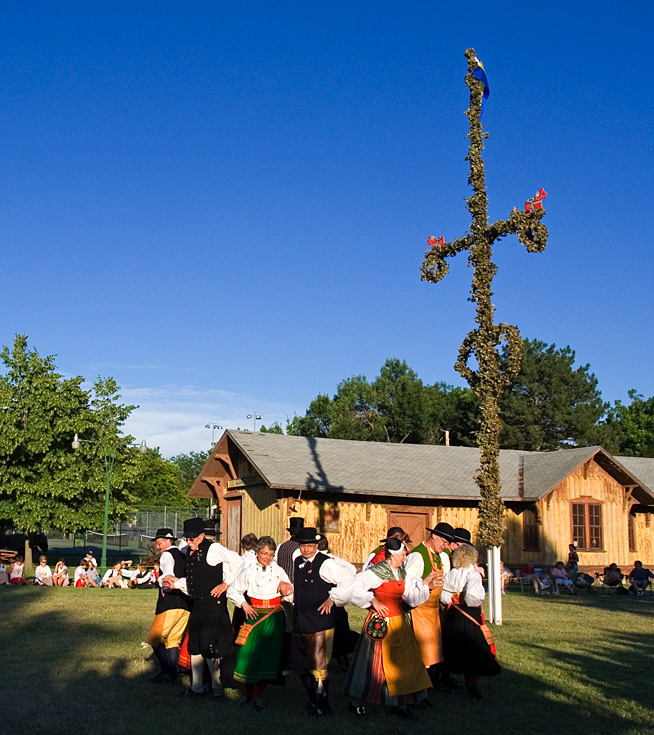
<point x="109" y="461"/>
<point x="255" y="417"/>
<point x="213" y="427"/>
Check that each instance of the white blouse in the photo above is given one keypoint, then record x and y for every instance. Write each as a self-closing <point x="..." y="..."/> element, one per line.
<point x="467" y="584"/>
<point x="261" y="583"/>
<point x="42" y="573"/>
<point x="415" y="592"/>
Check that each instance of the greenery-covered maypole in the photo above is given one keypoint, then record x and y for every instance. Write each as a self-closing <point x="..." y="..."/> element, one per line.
<point x="488" y="380"/>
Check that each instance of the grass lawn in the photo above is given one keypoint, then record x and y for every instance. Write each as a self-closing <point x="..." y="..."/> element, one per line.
<point x="72" y="663"/>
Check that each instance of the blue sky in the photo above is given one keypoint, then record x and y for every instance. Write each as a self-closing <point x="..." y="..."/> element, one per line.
<point x="225" y="206"/>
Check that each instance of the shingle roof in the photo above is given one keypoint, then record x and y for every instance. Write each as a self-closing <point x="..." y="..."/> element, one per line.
<point x="371" y="468"/>
<point x="418" y="470"/>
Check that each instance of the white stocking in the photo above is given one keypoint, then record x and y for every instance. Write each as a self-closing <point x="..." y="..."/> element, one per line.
<point x="214" y="668"/>
<point x="197" y="667"/>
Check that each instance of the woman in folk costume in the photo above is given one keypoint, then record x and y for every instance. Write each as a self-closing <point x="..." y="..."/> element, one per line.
<point x="467" y="642"/>
<point x="377" y="554"/>
<point x="387" y="669"/>
<point x="261" y="639"/>
<point x="430" y="559"/>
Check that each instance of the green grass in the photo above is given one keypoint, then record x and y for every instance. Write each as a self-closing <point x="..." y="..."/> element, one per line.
<point x="72" y="663"/>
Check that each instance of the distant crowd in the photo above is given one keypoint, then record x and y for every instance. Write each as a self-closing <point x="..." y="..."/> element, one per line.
<point x="122" y="574"/>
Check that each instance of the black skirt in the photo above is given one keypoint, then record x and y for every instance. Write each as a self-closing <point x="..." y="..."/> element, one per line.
<point x="465" y="648"/>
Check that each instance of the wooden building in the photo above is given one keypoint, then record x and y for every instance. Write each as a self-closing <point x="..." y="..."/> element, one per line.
<point x="354" y="491"/>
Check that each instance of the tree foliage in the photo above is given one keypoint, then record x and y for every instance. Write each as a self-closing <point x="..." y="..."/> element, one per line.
<point x="550" y="404"/>
<point x="629" y="430"/>
<point x="43" y="482"/>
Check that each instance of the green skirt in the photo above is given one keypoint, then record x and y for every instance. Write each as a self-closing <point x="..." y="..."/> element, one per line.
<point x="259" y="658"/>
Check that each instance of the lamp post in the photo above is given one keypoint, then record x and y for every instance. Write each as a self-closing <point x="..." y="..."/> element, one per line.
<point x="255" y="417"/>
<point x="213" y="427"/>
<point x="109" y="461"/>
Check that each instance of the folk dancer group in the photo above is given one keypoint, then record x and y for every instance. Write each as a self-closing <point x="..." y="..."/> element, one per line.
<point x="289" y="602"/>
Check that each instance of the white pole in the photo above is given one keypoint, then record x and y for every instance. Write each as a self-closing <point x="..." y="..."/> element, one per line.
<point x="489" y="572"/>
<point x="497" y="587"/>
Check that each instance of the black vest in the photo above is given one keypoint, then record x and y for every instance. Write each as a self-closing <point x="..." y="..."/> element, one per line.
<point x="201" y="578"/>
<point x="310" y="591"/>
<point x="174" y="599"/>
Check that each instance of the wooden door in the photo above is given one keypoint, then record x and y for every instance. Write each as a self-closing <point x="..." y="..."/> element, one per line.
<point x="233" y="530"/>
<point x="414" y="523"/>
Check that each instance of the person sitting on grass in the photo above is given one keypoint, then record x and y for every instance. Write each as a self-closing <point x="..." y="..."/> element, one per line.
<point x="17" y="571"/>
<point x="60" y="574"/>
<point x="82" y="576"/>
<point x="43" y="573"/>
<point x="560" y="576"/>
<point x="639" y="578"/>
<point x="114" y="577"/>
<point x="4" y="577"/>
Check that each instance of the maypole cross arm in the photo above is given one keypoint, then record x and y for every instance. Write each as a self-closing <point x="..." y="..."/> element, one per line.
<point x="489" y="379"/>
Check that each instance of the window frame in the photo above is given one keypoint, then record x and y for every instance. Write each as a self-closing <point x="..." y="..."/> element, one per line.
<point x="590" y="530"/>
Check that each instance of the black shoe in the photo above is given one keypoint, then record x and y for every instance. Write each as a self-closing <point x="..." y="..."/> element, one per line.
<point x="426" y="702"/>
<point x="449" y="683"/>
<point x="360" y="711"/>
<point x="406" y="713"/>
<point x="474" y="691"/>
<point x="161" y="678"/>
<point x="190" y="694"/>
<point x="218" y="692"/>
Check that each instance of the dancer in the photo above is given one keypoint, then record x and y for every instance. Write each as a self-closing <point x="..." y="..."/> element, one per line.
<point x="210" y="569"/>
<point x="319" y="583"/>
<point x="172" y="611"/>
<point x="387" y="668"/>
<point x="258" y="590"/>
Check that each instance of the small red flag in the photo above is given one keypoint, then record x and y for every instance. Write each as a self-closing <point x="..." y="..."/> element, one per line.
<point x="431" y="240"/>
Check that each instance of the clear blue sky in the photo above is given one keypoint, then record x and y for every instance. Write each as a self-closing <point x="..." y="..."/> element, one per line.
<point x="225" y="206"/>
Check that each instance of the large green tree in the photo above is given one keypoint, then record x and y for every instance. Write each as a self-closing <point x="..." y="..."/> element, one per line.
<point x="44" y="483"/>
<point x="629" y="429"/>
<point x="550" y="404"/>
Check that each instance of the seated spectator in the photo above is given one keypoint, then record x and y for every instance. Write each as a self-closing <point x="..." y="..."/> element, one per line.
<point x="505" y="576"/>
<point x="639" y="578"/>
<point x="612" y="576"/>
<point x="92" y="572"/>
<point x="43" y="573"/>
<point x="542" y="582"/>
<point x="584" y="581"/>
<point x="82" y="576"/>
<point x="17" y="571"/>
<point x="60" y="574"/>
<point x="4" y="577"/>
<point x="143" y="579"/>
<point x="113" y="577"/>
<point x="560" y="576"/>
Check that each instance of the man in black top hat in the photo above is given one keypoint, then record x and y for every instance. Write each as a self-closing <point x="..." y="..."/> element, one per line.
<point x="172" y="611"/>
<point x="210" y="569"/>
<point x="320" y="582"/>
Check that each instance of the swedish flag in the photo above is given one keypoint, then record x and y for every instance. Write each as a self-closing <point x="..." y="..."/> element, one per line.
<point x="480" y="74"/>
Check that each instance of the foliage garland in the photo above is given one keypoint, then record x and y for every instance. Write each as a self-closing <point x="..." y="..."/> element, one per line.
<point x="488" y="380"/>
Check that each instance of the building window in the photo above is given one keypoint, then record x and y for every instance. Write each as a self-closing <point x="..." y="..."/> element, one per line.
<point x="530" y="531"/>
<point x="587" y="526"/>
<point x="631" y="530"/>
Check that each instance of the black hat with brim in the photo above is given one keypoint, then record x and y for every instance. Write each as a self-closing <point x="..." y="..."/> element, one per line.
<point x="164" y="533"/>
<point x="307" y="536"/>
<point x="193" y="527"/>
<point x="462" y="536"/>
<point x="444" y="530"/>
<point x="395" y="532"/>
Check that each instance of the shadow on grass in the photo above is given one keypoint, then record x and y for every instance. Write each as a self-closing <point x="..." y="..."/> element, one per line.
<point x="595" y="599"/>
<point x="72" y="663"/>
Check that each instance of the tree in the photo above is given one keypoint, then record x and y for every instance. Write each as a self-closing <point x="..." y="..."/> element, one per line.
<point x="550" y="404"/>
<point x="629" y="430"/>
<point x="160" y="482"/>
<point x="274" y="428"/>
<point x="43" y="483"/>
<point x="190" y="465"/>
<point x="316" y="420"/>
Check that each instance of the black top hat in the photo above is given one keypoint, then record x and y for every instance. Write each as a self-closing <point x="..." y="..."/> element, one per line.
<point x="444" y="530"/>
<point x="462" y="536"/>
<point x="294" y="524"/>
<point x="210" y="526"/>
<point x="193" y="527"/>
<point x="307" y="536"/>
<point x="164" y="533"/>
